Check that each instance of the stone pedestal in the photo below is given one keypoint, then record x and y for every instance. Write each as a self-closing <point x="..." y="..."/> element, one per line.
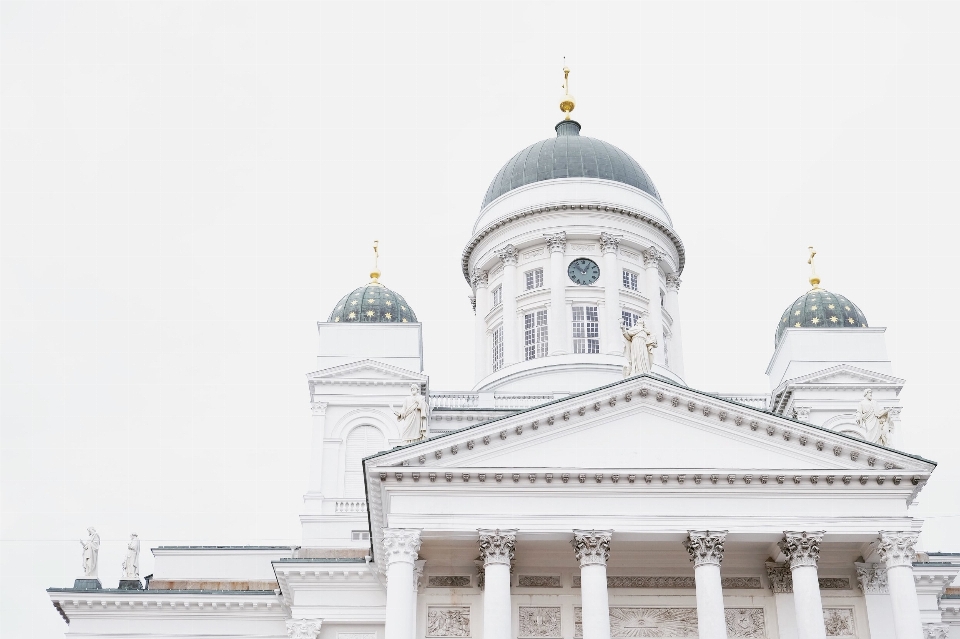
<point x="87" y="583"/>
<point x="130" y="584"/>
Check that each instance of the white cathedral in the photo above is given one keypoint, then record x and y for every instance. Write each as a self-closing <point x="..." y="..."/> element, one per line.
<point x="580" y="488"/>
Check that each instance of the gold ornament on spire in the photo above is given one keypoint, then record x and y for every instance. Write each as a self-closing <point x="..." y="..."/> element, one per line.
<point x="375" y="273"/>
<point x="814" y="278"/>
<point x="567" y="102"/>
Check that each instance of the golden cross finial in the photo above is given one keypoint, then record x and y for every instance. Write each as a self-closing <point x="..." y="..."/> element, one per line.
<point x="814" y="279"/>
<point x="567" y="102"/>
<point x="375" y="273"/>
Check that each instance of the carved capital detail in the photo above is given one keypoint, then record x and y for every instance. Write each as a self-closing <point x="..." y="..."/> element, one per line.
<point x="418" y="573"/>
<point x="802" y="548"/>
<point x="936" y="631"/>
<point x="401" y="544"/>
<point x="897" y="548"/>
<point x="508" y="254"/>
<point x="591" y="547"/>
<point x="872" y="579"/>
<point x="556" y="242"/>
<point x="673" y="282"/>
<point x="479" y="279"/>
<point x="705" y="547"/>
<point x="318" y="408"/>
<point x="802" y="413"/>
<point x="651" y="257"/>
<point x="781" y="578"/>
<point x="497" y="546"/>
<point x="303" y="628"/>
<point x="609" y="243"/>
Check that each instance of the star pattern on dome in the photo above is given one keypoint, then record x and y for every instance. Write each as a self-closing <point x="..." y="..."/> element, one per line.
<point x="372" y="303"/>
<point x="819" y="309"/>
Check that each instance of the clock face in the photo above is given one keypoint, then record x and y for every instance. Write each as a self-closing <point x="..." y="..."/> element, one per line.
<point x="583" y="271"/>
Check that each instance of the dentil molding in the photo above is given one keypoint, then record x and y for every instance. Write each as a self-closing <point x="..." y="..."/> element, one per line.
<point x="705" y="547"/>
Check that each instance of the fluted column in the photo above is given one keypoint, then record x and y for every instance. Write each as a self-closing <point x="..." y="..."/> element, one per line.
<point x="557" y="329"/>
<point x="672" y="302"/>
<point x="496" y="551"/>
<point x="483" y="354"/>
<point x="511" y="346"/>
<point x="896" y="550"/>
<point x="803" y="552"/>
<point x="592" y="549"/>
<point x="872" y="579"/>
<point x="706" y="553"/>
<point x="613" y="278"/>
<point x="400" y="547"/>
<point x="651" y="265"/>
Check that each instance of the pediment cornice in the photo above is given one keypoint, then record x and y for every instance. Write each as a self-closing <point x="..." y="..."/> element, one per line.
<point x="365" y="372"/>
<point x="838" y="378"/>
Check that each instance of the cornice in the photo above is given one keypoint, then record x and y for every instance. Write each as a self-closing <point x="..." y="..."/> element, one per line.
<point x="331" y="375"/>
<point x="522" y="213"/>
<point x="174" y="604"/>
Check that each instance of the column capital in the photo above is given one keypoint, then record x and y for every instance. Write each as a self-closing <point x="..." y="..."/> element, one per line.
<point x="705" y="547"/>
<point x="673" y="282"/>
<point x="556" y="242"/>
<point x="479" y="278"/>
<point x="591" y="547"/>
<point x="318" y="408"/>
<point x="936" y="631"/>
<point x="802" y="548"/>
<point x="508" y="255"/>
<point x="609" y="243"/>
<point x="303" y="628"/>
<point x="651" y="257"/>
<point x="497" y="546"/>
<point x="872" y="579"/>
<point x="897" y="548"/>
<point x="401" y="545"/>
<point x="418" y="573"/>
<point x="781" y="579"/>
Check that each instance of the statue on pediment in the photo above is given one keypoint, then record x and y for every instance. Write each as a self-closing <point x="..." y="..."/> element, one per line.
<point x="91" y="551"/>
<point x="413" y="415"/>
<point x="638" y="349"/>
<point x="874" y="422"/>
<point x="131" y="559"/>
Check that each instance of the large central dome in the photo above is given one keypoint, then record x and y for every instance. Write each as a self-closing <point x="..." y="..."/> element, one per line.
<point x="569" y="155"/>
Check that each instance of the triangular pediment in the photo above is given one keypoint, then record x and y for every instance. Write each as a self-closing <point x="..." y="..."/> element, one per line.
<point x="367" y="370"/>
<point x="846" y="375"/>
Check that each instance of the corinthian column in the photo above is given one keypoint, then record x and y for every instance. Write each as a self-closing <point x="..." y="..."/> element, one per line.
<point x="872" y="579"/>
<point x="896" y="549"/>
<point x="651" y="263"/>
<point x="482" y="353"/>
<point x="592" y="549"/>
<point x="609" y="245"/>
<point x="706" y="553"/>
<point x="400" y="547"/>
<point x="496" y="551"/>
<point x="511" y="347"/>
<point x="803" y="551"/>
<point x="556" y="333"/>
<point x="672" y="302"/>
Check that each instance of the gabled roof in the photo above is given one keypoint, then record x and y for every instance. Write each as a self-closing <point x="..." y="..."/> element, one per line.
<point x="365" y="371"/>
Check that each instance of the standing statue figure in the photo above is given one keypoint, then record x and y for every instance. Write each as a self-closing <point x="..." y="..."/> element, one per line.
<point x="131" y="561"/>
<point x="638" y="349"/>
<point x="91" y="548"/>
<point x="413" y="414"/>
<point x="872" y="420"/>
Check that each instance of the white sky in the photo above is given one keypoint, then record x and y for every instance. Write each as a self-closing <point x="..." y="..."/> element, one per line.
<point x="187" y="187"/>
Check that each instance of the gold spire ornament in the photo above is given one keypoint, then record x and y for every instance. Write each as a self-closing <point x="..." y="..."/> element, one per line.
<point x="814" y="278"/>
<point x="567" y="102"/>
<point x="375" y="273"/>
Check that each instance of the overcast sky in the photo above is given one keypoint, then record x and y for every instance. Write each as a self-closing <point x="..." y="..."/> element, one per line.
<point x="187" y="187"/>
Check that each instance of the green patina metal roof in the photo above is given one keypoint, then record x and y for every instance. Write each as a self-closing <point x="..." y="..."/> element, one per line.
<point x="372" y="303"/>
<point x="820" y="308"/>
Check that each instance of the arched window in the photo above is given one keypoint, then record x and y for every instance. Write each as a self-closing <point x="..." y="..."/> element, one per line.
<point x="362" y="441"/>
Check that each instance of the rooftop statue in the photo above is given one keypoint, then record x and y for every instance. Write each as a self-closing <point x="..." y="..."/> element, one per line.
<point x="638" y="349"/>
<point x="91" y="549"/>
<point x="131" y="561"/>
<point x="413" y="415"/>
<point x="874" y="422"/>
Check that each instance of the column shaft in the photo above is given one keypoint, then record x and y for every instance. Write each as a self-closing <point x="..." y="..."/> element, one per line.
<point x="556" y="331"/>
<point x="400" y="547"/>
<point x="651" y="263"/>
<point x="592" y="549"/>
<point x="612" y="278"/>
<point x="706" y="553"/>
<point x="496" y="551"/>
<point x="897" y="551"/>
<point x="483" y="354"/>
<point x="803" y="552"/>
<point x="511" y="345"/>
<point x="672" y="302"/>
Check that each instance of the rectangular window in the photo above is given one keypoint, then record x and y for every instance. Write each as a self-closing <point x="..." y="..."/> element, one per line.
<point x="360" y="535"/>
<point x="498" y="348"/>
<point x="629" y="318"/>
<point x="534" y="279"/>
<point x="497" y="296"/>
<point x="629" y="280"/>
<point x="535" y="335"/>
<point x="586" y="329"/>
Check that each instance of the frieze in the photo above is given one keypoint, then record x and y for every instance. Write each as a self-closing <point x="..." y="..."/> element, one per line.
<point x="741" y="623"/>
<point x="839" y="622"/>
<point x="448" y="621"/>
<point x="356" y="635"/>
<point x="448" y="581"/>
<point x="538" y="581"/>
<point x="748" y="623"/>
<point x="834" y="583"/>
<point x="727" y="583"/>
<point x="538" y="622"/>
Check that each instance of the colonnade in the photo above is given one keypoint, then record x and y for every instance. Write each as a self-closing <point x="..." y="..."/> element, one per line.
<point x="705" y="547"/>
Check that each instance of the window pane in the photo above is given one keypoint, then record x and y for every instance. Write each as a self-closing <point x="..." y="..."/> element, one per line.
<point x="498" y="348"/>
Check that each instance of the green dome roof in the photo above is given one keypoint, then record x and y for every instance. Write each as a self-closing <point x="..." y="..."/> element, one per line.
<point x="372" y="303"/>
<point x="820" y="308"/>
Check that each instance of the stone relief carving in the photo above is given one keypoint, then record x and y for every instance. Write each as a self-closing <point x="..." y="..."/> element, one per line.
<point x="448" y="581"/>
<point x="834" y="583"/>
<point x="356" y="635"/>
<point x="526" y="256"/>
<point x="497" y="546"/>
<point x="556" y="242"/>
<point x="897" y="548"/>
<point x="591" y="547"/>
<point x="801" y="548"/>
<point x="540" y="622"/>
<point x="705" y="547"/>
<point x="653" y="622"/>
<point x="872" y="579"/>
<point x="303" y="628"/>
<point x="839" y="622"/>
<point x="539" y="581"/>
<point x="745" y="622"/>
<point x="727" y="583"/>
<point x="448" y="621"/>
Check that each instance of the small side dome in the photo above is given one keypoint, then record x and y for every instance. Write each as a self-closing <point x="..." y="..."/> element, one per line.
<point x="372" y="303"/>
<point x="820" y="308"/>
